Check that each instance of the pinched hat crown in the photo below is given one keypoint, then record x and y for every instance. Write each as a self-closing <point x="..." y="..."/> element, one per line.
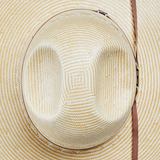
<point x="79" y="79"/>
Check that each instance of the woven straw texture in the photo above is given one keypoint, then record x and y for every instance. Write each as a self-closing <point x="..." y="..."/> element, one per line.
<point x="19" y="20"/>
<point x="79" y="79"/>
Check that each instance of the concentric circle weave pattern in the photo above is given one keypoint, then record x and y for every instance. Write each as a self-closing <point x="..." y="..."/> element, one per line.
<point x="19" y="20"/>
<point x="79" y="79"/>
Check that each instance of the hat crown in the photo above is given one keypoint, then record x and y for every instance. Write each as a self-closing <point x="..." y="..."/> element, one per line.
<point x="79" y="79"/>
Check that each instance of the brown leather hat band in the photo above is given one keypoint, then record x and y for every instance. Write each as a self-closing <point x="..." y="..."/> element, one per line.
<point x="134" y="108"/>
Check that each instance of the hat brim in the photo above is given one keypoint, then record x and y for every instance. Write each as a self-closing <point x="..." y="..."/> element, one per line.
<point x="19" y="140"/>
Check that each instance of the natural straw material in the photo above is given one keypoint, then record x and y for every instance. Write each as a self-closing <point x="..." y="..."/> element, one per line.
<point x="19" y="20"/>
<point x="79" y="79"/>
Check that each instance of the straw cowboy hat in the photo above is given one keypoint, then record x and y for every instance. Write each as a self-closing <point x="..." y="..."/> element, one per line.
<point x="77" y="82"/>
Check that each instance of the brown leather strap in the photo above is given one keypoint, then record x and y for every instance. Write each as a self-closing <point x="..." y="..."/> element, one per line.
<point x="135" y="25"/>
<point x="134" y="109"/>
<point x="135" y="131"/>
